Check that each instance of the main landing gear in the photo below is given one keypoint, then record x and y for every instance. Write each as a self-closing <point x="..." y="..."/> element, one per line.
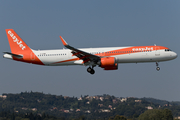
<point x="157" y="68"/>
<point x="90" y="70"/>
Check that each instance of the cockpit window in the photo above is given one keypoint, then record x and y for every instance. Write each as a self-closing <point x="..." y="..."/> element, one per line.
<point x="167" y="50"/>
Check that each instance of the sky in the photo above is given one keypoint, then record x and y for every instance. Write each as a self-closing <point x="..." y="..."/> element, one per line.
<point x="88" y="24"/>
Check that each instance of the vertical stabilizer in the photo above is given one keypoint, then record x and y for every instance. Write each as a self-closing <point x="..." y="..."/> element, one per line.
<point x="15" y="42"/>
<point x="19" y="49"/>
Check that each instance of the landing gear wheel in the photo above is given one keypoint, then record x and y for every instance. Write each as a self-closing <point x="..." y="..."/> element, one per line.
<point x="158" y="68"/>
<point x="90" y="70"/>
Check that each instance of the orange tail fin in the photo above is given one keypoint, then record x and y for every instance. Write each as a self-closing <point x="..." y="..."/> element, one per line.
<point x="15" y="42"/>
<point x="20" y="50"/>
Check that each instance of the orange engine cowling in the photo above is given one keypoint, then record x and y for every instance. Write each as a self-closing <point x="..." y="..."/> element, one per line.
<point x="108" y="63"/>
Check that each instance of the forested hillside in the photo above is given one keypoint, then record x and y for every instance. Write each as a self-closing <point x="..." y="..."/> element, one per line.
<point x="91" y="107"/>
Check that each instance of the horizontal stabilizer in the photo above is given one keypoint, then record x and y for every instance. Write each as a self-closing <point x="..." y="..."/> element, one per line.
<point x="8" y="54"/>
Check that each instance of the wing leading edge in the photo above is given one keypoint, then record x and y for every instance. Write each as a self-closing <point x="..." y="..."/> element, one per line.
<point x="85" y="56"/>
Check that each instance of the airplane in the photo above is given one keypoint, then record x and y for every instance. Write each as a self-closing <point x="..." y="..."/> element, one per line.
<point x="107" y="58"/>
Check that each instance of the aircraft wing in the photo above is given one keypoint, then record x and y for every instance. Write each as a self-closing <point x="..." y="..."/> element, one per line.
<point x="86" y="57"/>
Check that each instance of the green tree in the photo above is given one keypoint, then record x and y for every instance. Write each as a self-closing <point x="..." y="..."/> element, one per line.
<point x="82" y="118"/>
<point x="18" y="118"/>
<point x="167" y="114"/>
<point x="118" y="117"/>
<point x="156" y="114"/>
<point x="25" y="119"/>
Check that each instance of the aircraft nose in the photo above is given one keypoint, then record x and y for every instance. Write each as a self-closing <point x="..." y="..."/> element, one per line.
<point x="174" y="55"/>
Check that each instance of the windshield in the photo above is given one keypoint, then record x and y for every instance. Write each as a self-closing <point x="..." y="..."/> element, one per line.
<point x="167" y="50"/>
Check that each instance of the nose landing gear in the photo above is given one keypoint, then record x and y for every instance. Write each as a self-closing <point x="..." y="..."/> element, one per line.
<point x="157" y="68"/>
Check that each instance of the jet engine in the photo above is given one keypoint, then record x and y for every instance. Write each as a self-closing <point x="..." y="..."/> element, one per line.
<point x="108" y="63"/>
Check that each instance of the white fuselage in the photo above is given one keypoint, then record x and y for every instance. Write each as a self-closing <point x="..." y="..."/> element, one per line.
<point x="65" y="57"/>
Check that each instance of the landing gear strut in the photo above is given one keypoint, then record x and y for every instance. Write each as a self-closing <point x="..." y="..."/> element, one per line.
<point x="90" y="70"/>
<point x="157" y="68"/>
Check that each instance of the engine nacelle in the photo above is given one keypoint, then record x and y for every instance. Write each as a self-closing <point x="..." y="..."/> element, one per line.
<point x="108" y="63"/>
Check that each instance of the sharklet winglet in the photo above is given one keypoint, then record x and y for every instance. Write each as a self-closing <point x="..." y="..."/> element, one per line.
<point x="63" y="41"/>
